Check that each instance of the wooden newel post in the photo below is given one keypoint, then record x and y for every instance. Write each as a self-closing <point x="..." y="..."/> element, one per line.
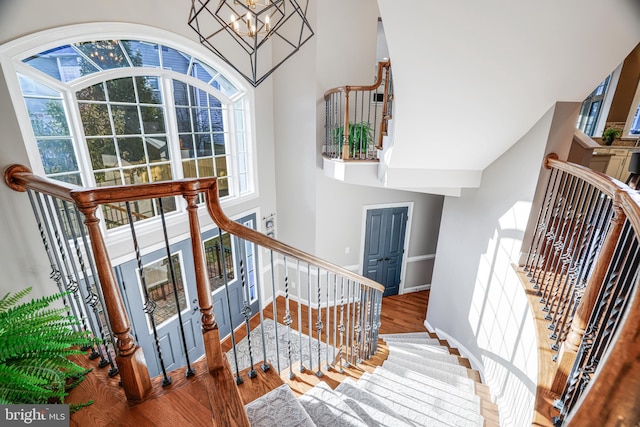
<point x="210" y="332"/>
<point x="569" y="349"/>
<point x="129" y="358"/>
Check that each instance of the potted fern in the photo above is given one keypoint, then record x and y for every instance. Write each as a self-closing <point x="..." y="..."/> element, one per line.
<point x="610" y="135"/>
<point x="35" y="343"/>
<point x="360" y="138"/>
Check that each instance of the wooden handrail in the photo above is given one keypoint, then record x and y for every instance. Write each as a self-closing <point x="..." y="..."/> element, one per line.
<point x="382" y="65"/>
<point x="228" y="225"/>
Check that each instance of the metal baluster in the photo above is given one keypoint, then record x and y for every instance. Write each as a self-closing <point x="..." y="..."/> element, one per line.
<point x="328" y="326"/>
<point x="149" y="304"/>
<point x="309" y="327"/>
<point x="189" y="372"/>
<point x="77" y="294"/>
<point x="357" y="329"/>
<point x="70" y="283"/>
<point x="335" y="319"/>
<point x="95" y="298"/>
<point x="287" y="317"/>
<point x="246" y="307"/>
<point x="319" y="326"/>
<point x="367" y="325"/>
<point x="540" y="225"/>
<point x="226" y="292"/>
<point x="275" y="312"/>
<point x="302" y="368"/>
<point x="341" y="327"/>
<point x="265" y="366"/>
<point x="347" y="344"/>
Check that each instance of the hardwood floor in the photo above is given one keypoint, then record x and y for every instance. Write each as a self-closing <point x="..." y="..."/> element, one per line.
<point x="193" y="401"/>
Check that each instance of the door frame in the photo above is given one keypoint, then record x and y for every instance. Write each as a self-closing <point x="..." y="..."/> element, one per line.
<point x="407" y="234"/>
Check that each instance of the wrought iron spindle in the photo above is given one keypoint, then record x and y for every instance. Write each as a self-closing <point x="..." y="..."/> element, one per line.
<point x="357" y="328"/>
<point x="70" y="284"/>
<point x="265" y="365"/>
<point x="335" y="319"/>
<point x="149" y="306"/>
<point x="341" y="327"/>
<point x="309" y="326"/>
<point x="246" y="308"/>
<point x="287" y="319"/>
<point x="327" y="327"/>
<point x="540" y="225"/>
<point x="275" y="312"/>
<point x="190" y="371"/>
<point x="302" y="368"/>
<point x="347" y="344"/>
<point x="319" y="325"/>
<point x="228" y="298"/>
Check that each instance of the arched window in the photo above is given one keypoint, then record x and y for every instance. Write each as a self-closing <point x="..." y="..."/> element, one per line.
<point x="124" y="111"/>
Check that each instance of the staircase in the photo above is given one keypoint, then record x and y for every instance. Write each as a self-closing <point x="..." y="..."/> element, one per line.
<point x="421" y="383"/>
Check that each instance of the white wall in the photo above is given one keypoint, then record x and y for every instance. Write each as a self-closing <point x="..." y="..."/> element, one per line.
<point x="476" y="298"/>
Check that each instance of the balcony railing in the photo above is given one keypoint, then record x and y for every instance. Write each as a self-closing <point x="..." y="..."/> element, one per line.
<point x="357" y="117"/>
<point x="346" y="315"/>
<point x="584" y="267"/>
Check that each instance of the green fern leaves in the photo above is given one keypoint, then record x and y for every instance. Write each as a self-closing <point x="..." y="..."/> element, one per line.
<point x="35" y="341"/>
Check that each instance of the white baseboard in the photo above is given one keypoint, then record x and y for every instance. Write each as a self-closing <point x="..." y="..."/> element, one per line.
<point x="475" y="363"/>
<point x="419" y="288"/>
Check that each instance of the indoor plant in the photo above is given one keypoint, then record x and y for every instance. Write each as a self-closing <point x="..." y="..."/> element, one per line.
<point x="35" y="342"/>
<point x="360" y="137"/>
<point x="610" y="135"/>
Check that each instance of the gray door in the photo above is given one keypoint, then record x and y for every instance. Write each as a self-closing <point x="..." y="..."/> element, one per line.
<point x="168" y="300"/>
<point x="384" y="246"/>
<point x="235" y="258"/>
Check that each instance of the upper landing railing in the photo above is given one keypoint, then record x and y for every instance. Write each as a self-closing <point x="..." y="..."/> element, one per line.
<point x="340" y="328"/>
<point x="584" y="267"/>
<point x="357" y="117"/>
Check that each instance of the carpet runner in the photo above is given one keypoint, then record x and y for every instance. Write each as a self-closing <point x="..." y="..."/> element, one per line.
<point x="420" y="384"/>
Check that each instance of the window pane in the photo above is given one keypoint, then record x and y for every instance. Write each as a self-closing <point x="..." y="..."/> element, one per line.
<point x="131" y="151"/>
<point x="180" y="95"/>
<point x="115" y="215"/>
<point x="63" y="63"/>
<point x="126" y="119"/>
<point x="175" y="60"/>
<point x="217" y="124"/>
<point x="108" y="178"/>
<point x="202" y="72"/>
<point x="149" y="90"/>
<point x="57" y="155"/>
<point x="184" y="120"/>
<point x="136" y="176"/>
<point x="31" y="87"/>
<point x="92" y="93"/>
<point x="106" y="54"/>
<point x="121" y="90"/>
<point x="162" y="290"/>
<point x="161" y="173"/>
<point x="102" y="152"/>
<point x="225" y="86"/>
<point x="47" y="117"/>
<point x="157" y="149"/>
<point x="218" y="143"/>
<point x="189" y="169"/>
<point x="186" y="147"/>
<point x="205" y="167"/>
<point x="201" y="120"/>
<point x="95" y="119"/>
<point x="142" y="54"/>
<point x="223" y="187"/>
<point x="153" y="119"/>
<point x="203" y="145"/>
<point x="73" y="178"/>
<point x="216" y="254"/>
<point x="221" y="166"/>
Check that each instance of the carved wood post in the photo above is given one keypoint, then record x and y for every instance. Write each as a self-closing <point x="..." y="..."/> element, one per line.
<point x="569" y="350"/>
<point x="345" y="133"/>
<point x="210" y="332"/>
<point x="130" y="358"/>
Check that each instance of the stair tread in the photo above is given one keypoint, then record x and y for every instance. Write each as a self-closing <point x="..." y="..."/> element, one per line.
<point x="423" y="357"/>
<point x="458" y="380"/>
<point x="420" y="347"/>
<point x="326" y="407"/>
<point x="432" y="407"/>
<point x="278" y="407"/>
<point x="466" y="396"/>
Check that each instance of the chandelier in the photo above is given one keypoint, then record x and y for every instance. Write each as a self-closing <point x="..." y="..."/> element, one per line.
<point x="253" y="36"/>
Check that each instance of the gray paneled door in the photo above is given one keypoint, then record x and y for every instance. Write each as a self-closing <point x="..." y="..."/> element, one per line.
<point x="168" y="300"/>
<point x="384" y="246"/>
